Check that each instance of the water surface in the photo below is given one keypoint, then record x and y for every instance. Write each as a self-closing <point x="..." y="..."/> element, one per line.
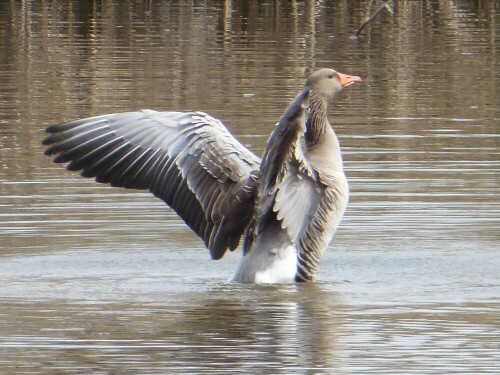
<point x="101" y="280"/>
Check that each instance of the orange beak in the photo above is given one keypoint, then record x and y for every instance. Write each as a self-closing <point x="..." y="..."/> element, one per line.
<point x="346" y="80"/>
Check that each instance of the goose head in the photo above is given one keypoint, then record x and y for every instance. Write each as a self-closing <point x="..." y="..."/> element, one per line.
<point x="327" y="83"/>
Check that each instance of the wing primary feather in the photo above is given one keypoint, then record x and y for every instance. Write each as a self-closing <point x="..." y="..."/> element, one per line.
<point x="115" y="172"/>
<point x="71" y="150"/>
<point x="106" y="159"/>
<point x="61" y="132"/>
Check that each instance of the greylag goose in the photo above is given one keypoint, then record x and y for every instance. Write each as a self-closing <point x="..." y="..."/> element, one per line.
<point x="287" y="205"/>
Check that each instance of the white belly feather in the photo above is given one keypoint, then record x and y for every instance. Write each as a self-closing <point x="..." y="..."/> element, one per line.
<point x="271" y="259"/>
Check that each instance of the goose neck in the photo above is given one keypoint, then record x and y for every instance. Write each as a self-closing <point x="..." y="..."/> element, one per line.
<point x="317" y="120"/>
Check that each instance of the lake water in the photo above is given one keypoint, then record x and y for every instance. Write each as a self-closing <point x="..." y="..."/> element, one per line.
<point x="97" y="280"/>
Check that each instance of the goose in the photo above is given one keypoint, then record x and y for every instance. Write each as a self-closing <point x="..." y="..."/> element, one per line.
<point x="286" y="206"/>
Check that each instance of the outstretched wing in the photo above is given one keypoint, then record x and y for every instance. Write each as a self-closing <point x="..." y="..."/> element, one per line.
<point x="190" y="160"/>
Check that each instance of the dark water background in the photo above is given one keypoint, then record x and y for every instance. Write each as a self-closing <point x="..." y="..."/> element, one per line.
<point x="106" y="281"/>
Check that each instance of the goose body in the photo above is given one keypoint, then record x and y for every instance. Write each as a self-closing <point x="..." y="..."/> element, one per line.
<point x="286" y="206"/>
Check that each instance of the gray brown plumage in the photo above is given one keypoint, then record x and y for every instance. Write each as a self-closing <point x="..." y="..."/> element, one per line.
<point x="218" y="187"/>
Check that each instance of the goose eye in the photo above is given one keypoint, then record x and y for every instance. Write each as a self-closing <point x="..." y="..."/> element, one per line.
<point x="330" y="76"/>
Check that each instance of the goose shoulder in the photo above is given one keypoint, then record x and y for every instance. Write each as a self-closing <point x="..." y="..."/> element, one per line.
<point x="190" y="160"/>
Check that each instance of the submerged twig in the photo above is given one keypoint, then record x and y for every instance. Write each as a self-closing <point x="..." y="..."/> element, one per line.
<point x="369" y="18"/>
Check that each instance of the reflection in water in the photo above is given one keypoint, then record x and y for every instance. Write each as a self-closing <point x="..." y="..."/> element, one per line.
<point x="225" y="329"/>
<point x="99" y="280"/>
<point x="234" y="329"/>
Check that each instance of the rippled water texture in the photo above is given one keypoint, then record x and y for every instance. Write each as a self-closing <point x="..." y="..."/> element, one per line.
<point x="96" y="280"/>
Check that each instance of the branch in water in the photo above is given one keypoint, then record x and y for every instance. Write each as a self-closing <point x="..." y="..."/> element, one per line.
<point x="369" y="18"/>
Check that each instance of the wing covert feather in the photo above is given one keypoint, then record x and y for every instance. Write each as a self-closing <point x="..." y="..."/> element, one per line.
<point x="295" y="202"/>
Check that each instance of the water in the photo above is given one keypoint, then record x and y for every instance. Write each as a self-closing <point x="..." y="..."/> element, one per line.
<point x="100" y="280"/>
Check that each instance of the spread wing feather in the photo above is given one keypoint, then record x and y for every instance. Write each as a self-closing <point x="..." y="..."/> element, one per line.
<point x="189" y="160"/>
<point x="288" y="189"/>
